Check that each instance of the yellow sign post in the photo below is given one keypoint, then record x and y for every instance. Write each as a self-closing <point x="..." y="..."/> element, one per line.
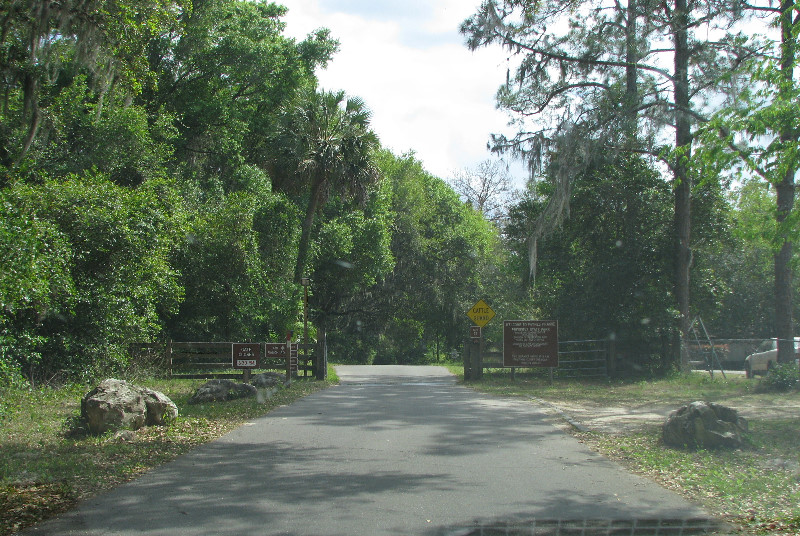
<point x="481" y="313"/>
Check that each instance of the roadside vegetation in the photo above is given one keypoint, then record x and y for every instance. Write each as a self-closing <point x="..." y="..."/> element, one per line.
<point x="756" y="487"/>
<point x="48" y="462"/>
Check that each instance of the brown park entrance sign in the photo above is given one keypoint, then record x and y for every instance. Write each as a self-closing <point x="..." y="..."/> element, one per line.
<point x="481" y="313"/>
<point x="245" y="355"/>
<point x="530" y="343"/>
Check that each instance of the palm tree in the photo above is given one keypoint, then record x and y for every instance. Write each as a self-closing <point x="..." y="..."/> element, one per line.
<point x="326" y="141"/>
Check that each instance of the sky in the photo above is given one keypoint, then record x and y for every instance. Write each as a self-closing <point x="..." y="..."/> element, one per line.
<point x="406" y="59"/>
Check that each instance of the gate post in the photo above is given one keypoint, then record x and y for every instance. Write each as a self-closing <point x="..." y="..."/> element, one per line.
<point x="289" y="361"/>
<point x="611" y="358"/>
<point x="467" y="359"/>
<point x="321" y="357"/>
<point x="169" y="358"/>
<point x="479" y="360"/>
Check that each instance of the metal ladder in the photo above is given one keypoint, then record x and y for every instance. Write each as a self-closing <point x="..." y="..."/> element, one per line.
<point x="712" y="359"/>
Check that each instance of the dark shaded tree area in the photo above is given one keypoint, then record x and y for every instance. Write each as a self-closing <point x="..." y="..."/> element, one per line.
<point x="137" y="179"/>
<point x="175" y="180"/>
<point x="605" y="272"/>
<point x="170" y="170"/>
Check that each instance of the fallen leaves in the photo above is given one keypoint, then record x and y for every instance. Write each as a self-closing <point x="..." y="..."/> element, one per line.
<point x="26" y="504"/>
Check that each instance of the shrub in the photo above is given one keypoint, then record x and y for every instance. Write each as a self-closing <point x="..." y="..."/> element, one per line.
<point x="92" y="257"/>
<point x="781" y="377"/>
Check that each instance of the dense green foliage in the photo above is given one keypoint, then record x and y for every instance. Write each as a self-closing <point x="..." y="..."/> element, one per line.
<point x="439" y="246"/>
<point x="758" y="132"/>
<point x="606" y="270"/>
<point x="177" y="179"/>
<point x="324" y="147"/>
<point x="98" y="275"/>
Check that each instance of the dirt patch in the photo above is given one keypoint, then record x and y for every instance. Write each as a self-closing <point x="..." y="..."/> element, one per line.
<point x="588" y="416"/>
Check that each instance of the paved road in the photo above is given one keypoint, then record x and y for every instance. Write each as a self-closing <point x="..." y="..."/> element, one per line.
<point x="390" y="451"/>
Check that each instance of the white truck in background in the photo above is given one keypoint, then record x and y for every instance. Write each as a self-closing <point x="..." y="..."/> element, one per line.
<point x="760" y="362"/>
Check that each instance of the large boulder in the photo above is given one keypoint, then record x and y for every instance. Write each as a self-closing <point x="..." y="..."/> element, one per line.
<point x="119" y="405"/>
<point x="160" y="409"/>
<point x="221" y="390"/>
<point x="704" y="425"/>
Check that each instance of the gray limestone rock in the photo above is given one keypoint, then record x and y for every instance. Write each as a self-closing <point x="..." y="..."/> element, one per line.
<point x="268" y="380"/>
<point x="220" y="390"/>
<point x="704" y="425"/>
<point x="119" y="405"/>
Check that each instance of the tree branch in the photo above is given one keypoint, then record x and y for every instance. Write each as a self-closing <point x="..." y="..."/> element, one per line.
<point x="760" y="8"/>
<point x="555" y="92"/>
<point x="582" y="61"/>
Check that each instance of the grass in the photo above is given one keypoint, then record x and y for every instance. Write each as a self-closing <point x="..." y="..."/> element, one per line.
<point x="47" y="464"/>
<point x="675" y="388"/>
<point x="756" y="487"/>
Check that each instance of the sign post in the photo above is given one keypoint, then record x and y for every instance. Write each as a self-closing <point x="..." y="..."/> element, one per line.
<point x="246" y="356"/>
<point x="480" y="314"/>
<point x="283" y="350"/>
<point x="293" y="365"/>
<point x="305" y="282"/>
<point x="475" y="333"/>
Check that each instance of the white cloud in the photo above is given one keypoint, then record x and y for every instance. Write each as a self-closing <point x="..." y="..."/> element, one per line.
<point x="428" y="93"/>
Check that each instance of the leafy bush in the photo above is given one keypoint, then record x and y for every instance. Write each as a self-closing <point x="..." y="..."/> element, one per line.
<point x="34" y="282"/>
<point x="781" y="377"/>
<point x="93" y="259"/>
<point x="235" y="268"/>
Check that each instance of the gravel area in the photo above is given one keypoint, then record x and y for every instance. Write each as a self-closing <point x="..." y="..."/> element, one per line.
<point x="626" y="419"/>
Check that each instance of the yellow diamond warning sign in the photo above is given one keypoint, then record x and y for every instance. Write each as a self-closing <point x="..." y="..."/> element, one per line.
<point x="481" y="313"/>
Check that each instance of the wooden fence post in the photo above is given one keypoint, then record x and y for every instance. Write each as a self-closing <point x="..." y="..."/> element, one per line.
<point x="168" y="358"/>
<point x="611" y="358"/>
<point x="467" y="359"/>
<point x="289" y="361"/>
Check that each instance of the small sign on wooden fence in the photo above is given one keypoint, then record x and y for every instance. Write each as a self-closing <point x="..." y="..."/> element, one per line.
<point x="245" y="355"/>
<point x="275" y="350"/>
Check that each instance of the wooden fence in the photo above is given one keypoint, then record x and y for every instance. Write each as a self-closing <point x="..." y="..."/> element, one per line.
<point x="214" y="360"/>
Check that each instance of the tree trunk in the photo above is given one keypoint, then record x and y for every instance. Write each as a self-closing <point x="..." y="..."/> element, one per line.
<point x="683" y="183"/>
<point x="305" y="233"/>
<point x="785" y="198"/>
<point x="33" y="129"/>
<point x="631" y="71"/>
<point x="783" y="291"/>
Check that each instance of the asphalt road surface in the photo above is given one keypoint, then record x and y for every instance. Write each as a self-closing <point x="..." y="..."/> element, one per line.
<point x="390" y="451"/>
